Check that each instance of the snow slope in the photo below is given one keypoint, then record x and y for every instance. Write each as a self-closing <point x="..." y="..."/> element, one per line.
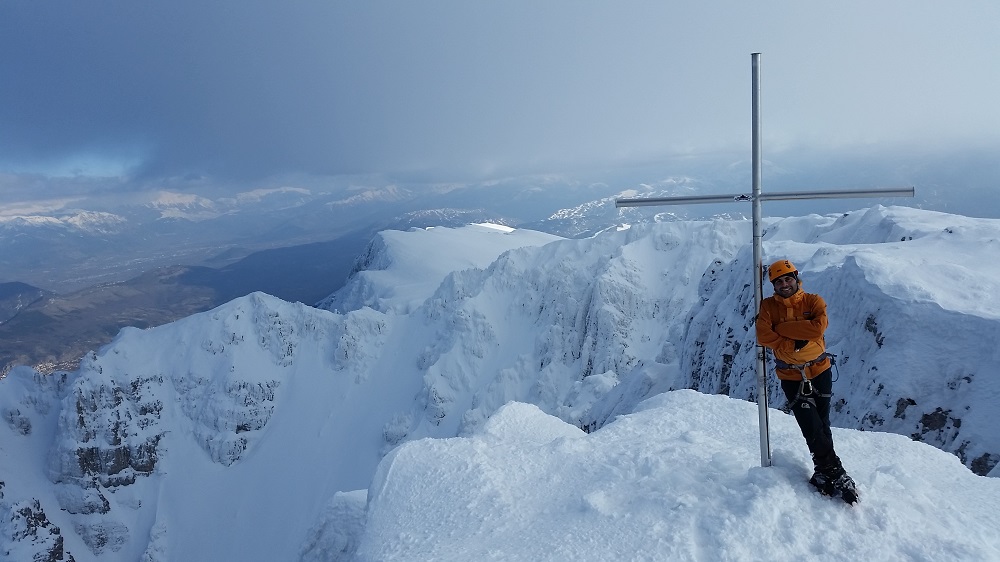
<point x="676" y="480"/>
<point x="399" y="270"/>
<point x="252" y="431"/>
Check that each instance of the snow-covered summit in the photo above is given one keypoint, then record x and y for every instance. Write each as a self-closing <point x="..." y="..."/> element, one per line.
<point x="277" y="418"/>
<point x="171" y="205"/>
<point x="90" y="222"/>
<point x="376" y="195"/>
<point x="399" y="270"/>
<point x="191" y="207"/>
<point x="676" y="480"/>
<point x="258" y="195"/>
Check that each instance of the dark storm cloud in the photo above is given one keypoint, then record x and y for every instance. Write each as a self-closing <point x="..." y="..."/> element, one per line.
<point x="228" y="89"/>
<point x="220" y="87"/>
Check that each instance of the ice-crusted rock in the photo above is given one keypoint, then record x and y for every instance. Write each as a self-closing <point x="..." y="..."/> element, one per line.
<point x="111" y="432"/>
<point x="103" y="536"/>
<point x="76" y="499"/>
<point x="17" y="420"/>
<point x="113" y="423"/>
<point x="27" y="534"/>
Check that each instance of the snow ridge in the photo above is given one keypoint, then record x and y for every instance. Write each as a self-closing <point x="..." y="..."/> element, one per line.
<point x="88" y="222"/>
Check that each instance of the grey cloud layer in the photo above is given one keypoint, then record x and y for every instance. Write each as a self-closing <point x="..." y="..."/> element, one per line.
<point x="250" y="89"/>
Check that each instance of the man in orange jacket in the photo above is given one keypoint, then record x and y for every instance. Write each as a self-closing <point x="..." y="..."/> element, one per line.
<point x="791" y="324"/>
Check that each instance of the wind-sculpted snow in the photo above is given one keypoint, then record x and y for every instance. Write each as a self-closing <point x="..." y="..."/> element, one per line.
<point x="676" y="480"/>
<point x="357" y="294"/>
<point x="258" y="412"/>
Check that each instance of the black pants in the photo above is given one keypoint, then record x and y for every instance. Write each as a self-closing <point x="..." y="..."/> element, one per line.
<point x="813" y="417"/>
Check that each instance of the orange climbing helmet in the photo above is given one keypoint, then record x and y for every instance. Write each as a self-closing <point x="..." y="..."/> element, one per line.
<point x="779" y="268"/>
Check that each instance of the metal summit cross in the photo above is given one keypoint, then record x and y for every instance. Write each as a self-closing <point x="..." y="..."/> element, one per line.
<point x="756" y="197"/>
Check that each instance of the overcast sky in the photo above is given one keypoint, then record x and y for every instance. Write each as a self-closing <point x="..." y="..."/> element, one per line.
<point x="455" y="90"/>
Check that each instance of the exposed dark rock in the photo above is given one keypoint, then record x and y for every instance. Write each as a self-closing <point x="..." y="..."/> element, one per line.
<point x="873" y="420"/>
<point x="18" y="421"/>
<point x="29" y="525"/>
<point x="872" y="326"/>
<point x="935" y="420"/>
<point x="901" y="405"/>
<point x="983" y="464"/>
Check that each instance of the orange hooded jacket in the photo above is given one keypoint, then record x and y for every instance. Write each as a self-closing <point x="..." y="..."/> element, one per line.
<point x="801" y="316"/>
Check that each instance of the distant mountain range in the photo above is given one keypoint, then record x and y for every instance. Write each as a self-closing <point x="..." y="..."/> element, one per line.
<point x="149" y="263"/>
<point x="51" y="331"/>
<point x="74" y="247"/>
<point x="71" y="248"/>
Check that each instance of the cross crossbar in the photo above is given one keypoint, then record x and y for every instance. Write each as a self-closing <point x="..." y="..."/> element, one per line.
<point x="779" y="196"/>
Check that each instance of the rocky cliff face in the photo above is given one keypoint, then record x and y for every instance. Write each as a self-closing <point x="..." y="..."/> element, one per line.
<point x="110" y="420"/>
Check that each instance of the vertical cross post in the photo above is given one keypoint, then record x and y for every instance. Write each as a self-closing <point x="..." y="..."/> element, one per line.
<point x="758" y="284"/>
<point x="756" y="198"/>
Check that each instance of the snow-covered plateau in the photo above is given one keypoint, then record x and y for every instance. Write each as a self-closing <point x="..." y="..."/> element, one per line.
<point x="487" y="393"/>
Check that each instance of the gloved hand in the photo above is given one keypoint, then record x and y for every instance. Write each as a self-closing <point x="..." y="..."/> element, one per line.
<point x="799" y="344"/>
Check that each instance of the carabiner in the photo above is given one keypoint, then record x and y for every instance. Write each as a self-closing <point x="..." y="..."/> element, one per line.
<point x="806" y="388"/>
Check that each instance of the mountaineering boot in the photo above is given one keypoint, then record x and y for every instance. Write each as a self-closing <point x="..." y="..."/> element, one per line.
<point x="833" y="481"/>
<point x="846" y="489"/>
<point x="820" y="481"/>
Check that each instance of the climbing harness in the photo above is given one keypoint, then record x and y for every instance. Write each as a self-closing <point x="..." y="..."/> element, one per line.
<point x="807" y="391"/>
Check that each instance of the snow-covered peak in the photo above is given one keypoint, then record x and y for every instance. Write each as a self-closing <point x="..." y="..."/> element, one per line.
<point x="172" y="205"/>
<point x="96" y="222"/>
<point x="30" y="221"/>
<point x="594" y="216"/>
<point x="386" y="194"/>
<point x="399" y="270"/>
<point x="911" y="255"/>
<point x="258" y="195"/>
<point x="90" y="222"/>
<point x="676" y="480"/>
<point x="187" y="206"/>
<point x="875" y="225"/>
